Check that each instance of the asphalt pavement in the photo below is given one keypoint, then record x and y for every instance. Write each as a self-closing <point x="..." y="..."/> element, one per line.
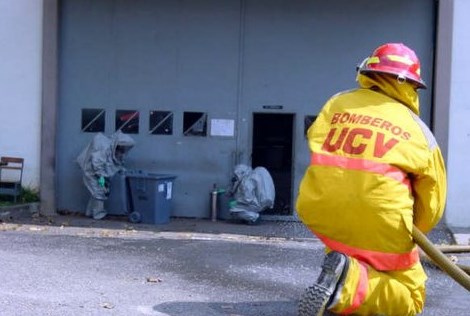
<point x="73" y="265"/>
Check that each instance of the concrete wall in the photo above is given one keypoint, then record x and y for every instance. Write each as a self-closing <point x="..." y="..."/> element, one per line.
<point x="458" y="161"/>
<point x="20" y="83"/>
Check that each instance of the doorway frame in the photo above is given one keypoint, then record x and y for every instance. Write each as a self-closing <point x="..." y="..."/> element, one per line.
<point x="249" y="147"/>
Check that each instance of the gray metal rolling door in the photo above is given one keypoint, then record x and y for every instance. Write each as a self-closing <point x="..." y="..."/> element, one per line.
<point x="175" y="56"/>
<point x="299" y="53"/>
<point x="187" y="56"/>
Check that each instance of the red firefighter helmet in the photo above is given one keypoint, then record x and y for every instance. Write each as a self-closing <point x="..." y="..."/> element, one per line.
<point x="396" y="59"/>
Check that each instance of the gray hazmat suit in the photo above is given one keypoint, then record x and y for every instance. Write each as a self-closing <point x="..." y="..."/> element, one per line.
<point x="253" y="191"/>
<point x="100" y="161"/>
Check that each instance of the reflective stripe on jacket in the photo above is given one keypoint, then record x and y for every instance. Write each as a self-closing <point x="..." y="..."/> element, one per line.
<point x="375" y="170"/>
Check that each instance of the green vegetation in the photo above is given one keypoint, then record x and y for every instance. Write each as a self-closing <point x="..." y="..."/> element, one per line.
<point x="27" y="195"/>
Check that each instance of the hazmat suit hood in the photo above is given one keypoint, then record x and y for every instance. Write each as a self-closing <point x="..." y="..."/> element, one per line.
<point x="121" y="144"/>
<point x="404" y="92"/>
<point x="242" y="171"/>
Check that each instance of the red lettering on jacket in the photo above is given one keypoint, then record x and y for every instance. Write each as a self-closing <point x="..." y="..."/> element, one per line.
<point x="335" y="118"/>
<point x="406" y="135"/>
<point x="355" y="118"/>
<point x="349" y="147"/>
<point x="334" y="147"/>
<point x="381" y="148"/>
<point x="355" y="141"/>
<point x="366" y="120"/>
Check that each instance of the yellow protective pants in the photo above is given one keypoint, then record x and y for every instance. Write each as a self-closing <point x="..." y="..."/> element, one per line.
<point x="367" y="291"/>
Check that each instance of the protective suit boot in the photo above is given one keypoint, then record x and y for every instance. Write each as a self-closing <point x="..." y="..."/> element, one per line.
<point x="99" y="214"/>
<point x="318" y="297"/>
<point x="95" y="209"/>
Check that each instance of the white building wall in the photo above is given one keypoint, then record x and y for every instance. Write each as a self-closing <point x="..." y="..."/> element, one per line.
<point x="458" y="163"/>
<point x="20" y="83"/>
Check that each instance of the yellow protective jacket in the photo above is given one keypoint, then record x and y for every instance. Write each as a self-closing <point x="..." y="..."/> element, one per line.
<point x="375" y="170"/>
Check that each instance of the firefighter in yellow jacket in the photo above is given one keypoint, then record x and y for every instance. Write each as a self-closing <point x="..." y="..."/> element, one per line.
<point x="375" y="170"/>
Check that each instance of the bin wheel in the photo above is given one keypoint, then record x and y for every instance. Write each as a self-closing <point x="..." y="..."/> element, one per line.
<point x="135" y="217"/>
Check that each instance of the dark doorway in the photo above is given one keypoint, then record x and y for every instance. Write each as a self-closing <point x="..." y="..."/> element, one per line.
<point x="272" y="149"/>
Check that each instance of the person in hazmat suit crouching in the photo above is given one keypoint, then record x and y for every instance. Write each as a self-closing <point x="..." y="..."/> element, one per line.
<point x="100" y="161"/>
<point x="375" y="170"/>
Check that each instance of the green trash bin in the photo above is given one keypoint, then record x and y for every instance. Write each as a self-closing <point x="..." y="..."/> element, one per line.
<point x="151" y="197"/>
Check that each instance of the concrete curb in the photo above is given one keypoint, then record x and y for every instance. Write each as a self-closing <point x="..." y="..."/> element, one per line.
<point x="273" y="230"/>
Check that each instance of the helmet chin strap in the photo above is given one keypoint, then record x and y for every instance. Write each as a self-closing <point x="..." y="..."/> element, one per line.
<point x="360" y="67"/>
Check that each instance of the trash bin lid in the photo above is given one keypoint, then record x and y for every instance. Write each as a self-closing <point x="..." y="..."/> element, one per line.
<point x="150" y="175"/>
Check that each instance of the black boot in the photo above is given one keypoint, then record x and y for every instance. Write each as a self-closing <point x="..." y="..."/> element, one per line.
<point x="317" y="297"/>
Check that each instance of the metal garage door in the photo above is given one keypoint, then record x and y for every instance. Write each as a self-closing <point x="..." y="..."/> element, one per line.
<point x="193" y="76"/>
